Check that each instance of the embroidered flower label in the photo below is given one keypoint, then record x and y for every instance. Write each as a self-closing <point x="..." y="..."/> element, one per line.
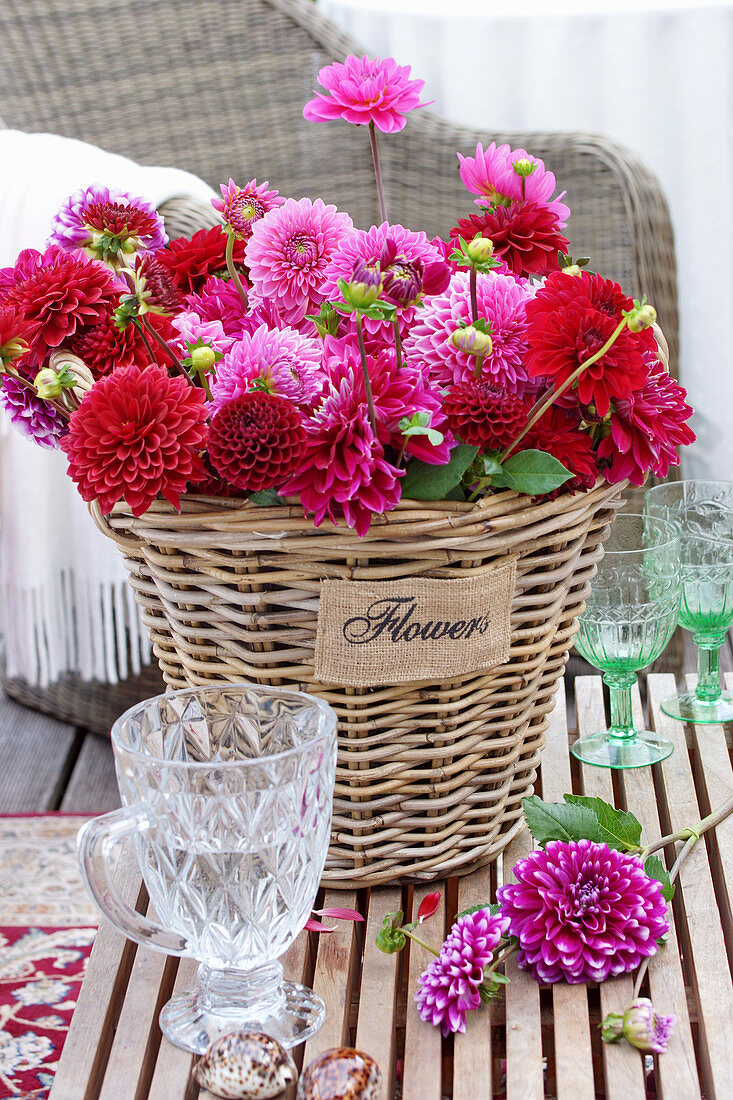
<point x="393" y="632"/>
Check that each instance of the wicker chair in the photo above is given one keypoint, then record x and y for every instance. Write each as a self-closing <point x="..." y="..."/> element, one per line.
<point x="217" y="87"/>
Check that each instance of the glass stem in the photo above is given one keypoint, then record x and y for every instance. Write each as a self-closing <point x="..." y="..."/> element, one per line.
<point x="708" y="669"/>
<point x="622" y="722"/>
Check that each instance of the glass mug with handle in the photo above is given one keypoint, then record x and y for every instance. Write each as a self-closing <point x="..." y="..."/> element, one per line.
<point x="227" y="793"/>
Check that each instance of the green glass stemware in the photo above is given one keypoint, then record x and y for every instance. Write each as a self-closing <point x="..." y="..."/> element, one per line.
<point x="703" y="511"/>
<point x="629" y="617"/>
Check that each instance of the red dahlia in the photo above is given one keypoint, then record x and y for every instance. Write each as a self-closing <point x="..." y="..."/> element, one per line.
<point x="255" y="440"/>
<point x="525" y="235"/>
<point x="103" y="347"/>
<point x="191" y="262"/>
<point x="156" y="286"/>
<point x="558" y="434"/>
<point x="483" y="415"/>
<point x="67" y="292"/>
<point x="137" y="433"/>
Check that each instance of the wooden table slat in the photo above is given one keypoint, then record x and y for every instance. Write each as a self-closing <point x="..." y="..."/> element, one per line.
<point x="334" y="975"/>
<point x="472" y="1052"/>
<point x="172" y="1071"/>
<point x="377" y="1024"/>
<point x="422" y="1067"/>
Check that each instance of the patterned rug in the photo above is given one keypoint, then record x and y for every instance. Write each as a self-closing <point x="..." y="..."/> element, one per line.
<point x="47" y="928"/>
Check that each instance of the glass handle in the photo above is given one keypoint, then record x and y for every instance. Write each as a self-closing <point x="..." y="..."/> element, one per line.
<point x="95" y="841"/>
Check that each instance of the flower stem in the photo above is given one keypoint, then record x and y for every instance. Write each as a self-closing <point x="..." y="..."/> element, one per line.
<point x="148" y="345"/>
<point x="500" y="958"/>
<point x="365" y="371"/>
<point x="164" y="345"/>
<point x="478" y="366"/>
<point x="560" y="390"/>
<point x="397" y="343"/>
<point x="412" y="936"/>
<point x="472" y="280"/>
<point x="231" y="268"/>
<point x="377" y="172"/>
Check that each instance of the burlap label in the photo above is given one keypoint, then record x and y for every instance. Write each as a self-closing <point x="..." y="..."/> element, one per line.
<point x="393" y="632"/>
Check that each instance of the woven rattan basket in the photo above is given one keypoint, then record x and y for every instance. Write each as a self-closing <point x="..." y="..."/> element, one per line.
<point x="431" y="774"/>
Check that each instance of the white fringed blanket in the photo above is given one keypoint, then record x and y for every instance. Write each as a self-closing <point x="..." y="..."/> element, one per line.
<point x="64" y="599"/>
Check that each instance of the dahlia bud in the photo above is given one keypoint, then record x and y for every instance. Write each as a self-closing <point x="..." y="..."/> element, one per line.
<point x="403" y="281"/>
<point x="612" y="1028"/>
<point x="47" y="383"/>
<point x="203" y="359"/>
<point x="472" y="341"/>
<point x="480" y="249"/>
<point x="365" y="285"/>
<point x="12" y="349"/>
<point x="641" y="318"/>
<point x="572" y="269"/>
<point x="645" y="1029"/>
<point x="524" y="167"/>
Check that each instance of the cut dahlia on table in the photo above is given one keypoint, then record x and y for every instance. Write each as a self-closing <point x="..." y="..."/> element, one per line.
<point x="287" y="352"/>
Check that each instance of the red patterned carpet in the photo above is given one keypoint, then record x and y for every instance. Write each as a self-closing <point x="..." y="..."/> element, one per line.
<point x="47" y="927"/>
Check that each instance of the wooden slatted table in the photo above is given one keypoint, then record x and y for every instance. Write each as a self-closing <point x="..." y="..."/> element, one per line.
<point x="536" y="1042"/>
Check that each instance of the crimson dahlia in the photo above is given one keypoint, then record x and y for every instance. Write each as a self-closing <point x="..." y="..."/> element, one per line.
<point x="483" y="415"/>
<point x="255" y="440"/>
<point x="526" y="235"/>
<point x="190" y="262"/>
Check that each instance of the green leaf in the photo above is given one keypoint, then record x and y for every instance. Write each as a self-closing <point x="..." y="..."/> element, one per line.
<point x="390" y="937"/>
<point x="266" y="497"/>
<point x="532" y="472"/>
<point x="425" y="482"/>
<point x="491" y="906"/>
<point x="456" y="493"/>
<point x="618" y="828"/>
<point x="656" y="869"/>
<point x="559" y="821"/>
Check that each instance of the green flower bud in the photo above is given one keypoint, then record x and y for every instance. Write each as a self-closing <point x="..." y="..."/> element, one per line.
<point x="643" y="317"/>
<point x="13" y="349"/>
<point x="203" y="359"/>
<point x="480" y="249"/>
<point x="471" y="341"/>
<point x="47" y="383"/>
<point x="645" y="1029"/>
<point x="524" y="167"/>
<point x="612" y="1028"/>
<point x="572" y="269"/>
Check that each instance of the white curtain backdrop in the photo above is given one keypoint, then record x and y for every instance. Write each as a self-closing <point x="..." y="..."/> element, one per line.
<point x="653" y="74"/>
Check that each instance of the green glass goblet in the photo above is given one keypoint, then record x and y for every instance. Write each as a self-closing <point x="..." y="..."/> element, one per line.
<point x="629" y="617"/>
<point x="703" y="511"/>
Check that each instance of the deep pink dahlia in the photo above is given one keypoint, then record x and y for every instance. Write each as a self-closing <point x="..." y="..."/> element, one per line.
<point x="448" y="989"/>
<point x="289" y="252"/>
<point x="502" y="301"/>
<point x="219" y="300"/>
<point x="343" y="471"/>
<point x="29" y="261"/>
<point x="491" y="175"/>
<point x="241" y="207"/>
<point x="362" y="90"/>
<point x="35" y="418"/>
<point x="277" y="361"/>
<point x="97" y="209"/>
<point x="583" y="912"/>
<point x="646" y="429"/>
<point x="401" y="255"/>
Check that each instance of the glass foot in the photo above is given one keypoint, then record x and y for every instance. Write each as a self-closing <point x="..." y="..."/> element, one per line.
<point x="606" y="751"/>
<point x="688" y="708"/>
<point x="188" y="1022"/>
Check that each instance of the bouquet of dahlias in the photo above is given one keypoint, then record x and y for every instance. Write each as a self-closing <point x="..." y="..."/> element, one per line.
<point x="288" y="353"/>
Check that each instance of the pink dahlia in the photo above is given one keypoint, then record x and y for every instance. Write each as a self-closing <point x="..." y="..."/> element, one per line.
<point x="583" y="912"/>
<point x="289" y="252"/>
<point x="241" y="207"/>
<point x="95" y="212"/>
<point x="502" y="302"/>
<point x="196" y="333"/>
<point x="646" y="429"/>
<point x="35" y="418"/>
<point x="343" y="471"/>
<point x="279" y="361"/>
<point x="219" y="300"/>
<point x="410" y="265"/>
<point x="137" y="433"/>
<point x="492" y="176"/>
<point x="449" y="988"/>
<point x="362" y="90"/>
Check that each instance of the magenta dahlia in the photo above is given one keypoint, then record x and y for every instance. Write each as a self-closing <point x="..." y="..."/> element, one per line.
<point x="256" y="440"/>
<point x="241" y="207"/>
<point x="583" y="912"/>
<point x="219" y="300"/>
<point x="277" y="361"/>
<point x="94" y="213"/>
<point x="449" y="988"/>
<point x="646" y="429"/>
<point x="289" y="252"/>
<point x="493" y="177"/>
<point x="502" y="302"/>
<point x="361" y="91"/>
<point x="35" y="418"/>
<point x="137" y="433"/>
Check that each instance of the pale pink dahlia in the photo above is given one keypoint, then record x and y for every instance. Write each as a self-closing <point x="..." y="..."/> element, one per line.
<point x="449" y="988"/>
<point x="583" y="912"/>
<point x="491" y="175"/>
<point x="502" y="302"/>
<point x="98" y="210"/>
<point x="219" y="300"/>
<point x="409" y="264"/>
<point x="362" y="90"/>
<point x="195" y="332"/>
<point x="241" y="207"/>
<point x="343" y="471"/>
<point x="289" y="252"/>
<point x="279" y="361"/>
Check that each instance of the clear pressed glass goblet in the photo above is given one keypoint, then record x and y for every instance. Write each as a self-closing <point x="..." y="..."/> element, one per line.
<point x="704" y="512"/>
<point x="629" y="617"/>
<point x="227" y="793"/>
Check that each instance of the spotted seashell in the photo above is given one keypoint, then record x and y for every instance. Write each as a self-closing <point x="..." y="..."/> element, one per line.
<point x="340" y="1074"/>
<point x="245" y="1065"/>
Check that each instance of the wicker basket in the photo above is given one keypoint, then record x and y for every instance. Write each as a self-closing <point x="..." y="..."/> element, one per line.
<point x="431" y="774"/>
